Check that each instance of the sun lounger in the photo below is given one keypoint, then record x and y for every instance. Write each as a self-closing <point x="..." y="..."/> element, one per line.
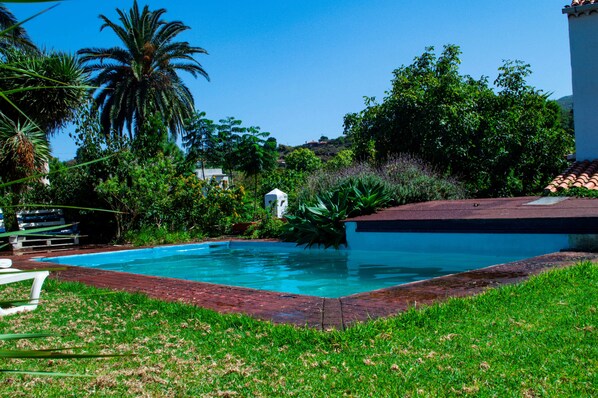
<point x="12" y="275"/>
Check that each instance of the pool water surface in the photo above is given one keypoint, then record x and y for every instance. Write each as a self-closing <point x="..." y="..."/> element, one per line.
<point x="286" y="268"/>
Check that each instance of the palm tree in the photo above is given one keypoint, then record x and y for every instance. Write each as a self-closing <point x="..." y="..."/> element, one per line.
<point x="140" y="79"/>
<point x="39" y="93"/>
<point x="15" y="35"/>
<point x="46" y="88"/>
<point x="24" y="151"/>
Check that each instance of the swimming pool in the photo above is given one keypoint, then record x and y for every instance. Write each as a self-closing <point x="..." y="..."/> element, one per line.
<point x="286" y="268"/>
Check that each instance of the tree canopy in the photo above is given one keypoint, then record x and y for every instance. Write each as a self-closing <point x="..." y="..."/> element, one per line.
<point x="506" y="140"/>
<point x="303" y="159"/>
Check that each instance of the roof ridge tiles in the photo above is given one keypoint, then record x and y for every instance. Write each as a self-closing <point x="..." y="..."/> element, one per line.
<point x="579" y="174"/>
<point x="575" y="3"/>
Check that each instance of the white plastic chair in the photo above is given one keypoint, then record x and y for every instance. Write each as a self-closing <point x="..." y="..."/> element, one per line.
<point x="12" y="275"/>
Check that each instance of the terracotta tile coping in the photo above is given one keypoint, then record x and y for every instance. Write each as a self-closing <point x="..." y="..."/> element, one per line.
<point x="320" y="313"/>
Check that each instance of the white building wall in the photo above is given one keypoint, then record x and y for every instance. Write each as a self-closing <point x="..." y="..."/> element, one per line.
<point x="583" y="37"/>
<point x="216" y="174"/>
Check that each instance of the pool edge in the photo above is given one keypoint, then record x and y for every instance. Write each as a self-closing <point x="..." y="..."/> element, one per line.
<point x="310" y="311"/>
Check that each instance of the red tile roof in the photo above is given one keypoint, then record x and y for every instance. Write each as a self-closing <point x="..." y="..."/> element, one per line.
<point x="582" y="2"/>
<point x="580" y="174"/>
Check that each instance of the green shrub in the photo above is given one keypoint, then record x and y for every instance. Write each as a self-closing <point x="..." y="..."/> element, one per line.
<point x="267" y="226"/>
<point x="330" y="197"/>
<point x="216" y="209"/>
<point x="321" y="222"/>
<point x="287" y="180"/>
<point x="577" y="192"/>
<point x="342" y="160"/>
<point x="409" y="179"/>
<point x="154" y="195"/>
<point x="149" y="236"/>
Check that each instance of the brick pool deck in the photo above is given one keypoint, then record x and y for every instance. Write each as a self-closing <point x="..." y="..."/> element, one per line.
<point x="339" y="313"/>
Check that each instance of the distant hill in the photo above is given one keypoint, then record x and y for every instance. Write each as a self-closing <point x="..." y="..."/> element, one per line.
<point x="324" y="148"/>
<point x="566" y="102"/>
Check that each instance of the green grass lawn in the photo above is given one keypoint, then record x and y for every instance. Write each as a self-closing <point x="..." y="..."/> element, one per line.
<point x="535" y="339"/>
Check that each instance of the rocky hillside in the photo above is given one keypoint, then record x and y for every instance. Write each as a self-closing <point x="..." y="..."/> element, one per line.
<point x="324" y="148"/>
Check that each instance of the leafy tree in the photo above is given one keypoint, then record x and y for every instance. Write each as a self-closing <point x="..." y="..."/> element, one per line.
<point x="256" y="155"/>
<point x="200" y="140"/>
<point x="155" y="140"/>
<point x="229" y="132"/>
<point x="141" y="78"/>
<point x="303" y="159"/>
<point x="500" y="143"/>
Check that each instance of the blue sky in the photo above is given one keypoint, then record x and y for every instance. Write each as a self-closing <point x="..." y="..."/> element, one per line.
<point x="295" y="68"/>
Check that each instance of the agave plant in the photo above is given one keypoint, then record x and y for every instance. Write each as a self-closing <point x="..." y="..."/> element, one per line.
<point x="322" y="222"/>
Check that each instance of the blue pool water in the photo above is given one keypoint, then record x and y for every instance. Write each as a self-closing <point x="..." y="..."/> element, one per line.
<point x="284" y="267"/>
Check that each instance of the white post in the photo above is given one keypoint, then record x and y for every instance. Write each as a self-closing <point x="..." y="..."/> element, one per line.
<point x="278" y="201"/>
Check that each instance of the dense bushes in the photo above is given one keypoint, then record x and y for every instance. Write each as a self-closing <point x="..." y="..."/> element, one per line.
<point x="500" y="142"/>
<point x="408" y="179"/>
<point x="154" y="194"/>
<point x="152" y="200"/>
<point x="330" y="197"/>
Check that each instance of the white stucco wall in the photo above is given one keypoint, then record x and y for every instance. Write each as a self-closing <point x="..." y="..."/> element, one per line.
<point x="583" y="37"/>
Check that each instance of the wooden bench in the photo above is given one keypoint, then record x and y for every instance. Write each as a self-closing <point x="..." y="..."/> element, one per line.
<point x="59" y="238"/>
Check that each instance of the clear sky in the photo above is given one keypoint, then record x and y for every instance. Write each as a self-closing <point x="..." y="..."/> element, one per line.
<point x="295" y="68"/>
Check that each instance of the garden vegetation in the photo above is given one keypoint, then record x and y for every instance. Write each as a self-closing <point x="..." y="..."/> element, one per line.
<point x="436" y="135"/>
